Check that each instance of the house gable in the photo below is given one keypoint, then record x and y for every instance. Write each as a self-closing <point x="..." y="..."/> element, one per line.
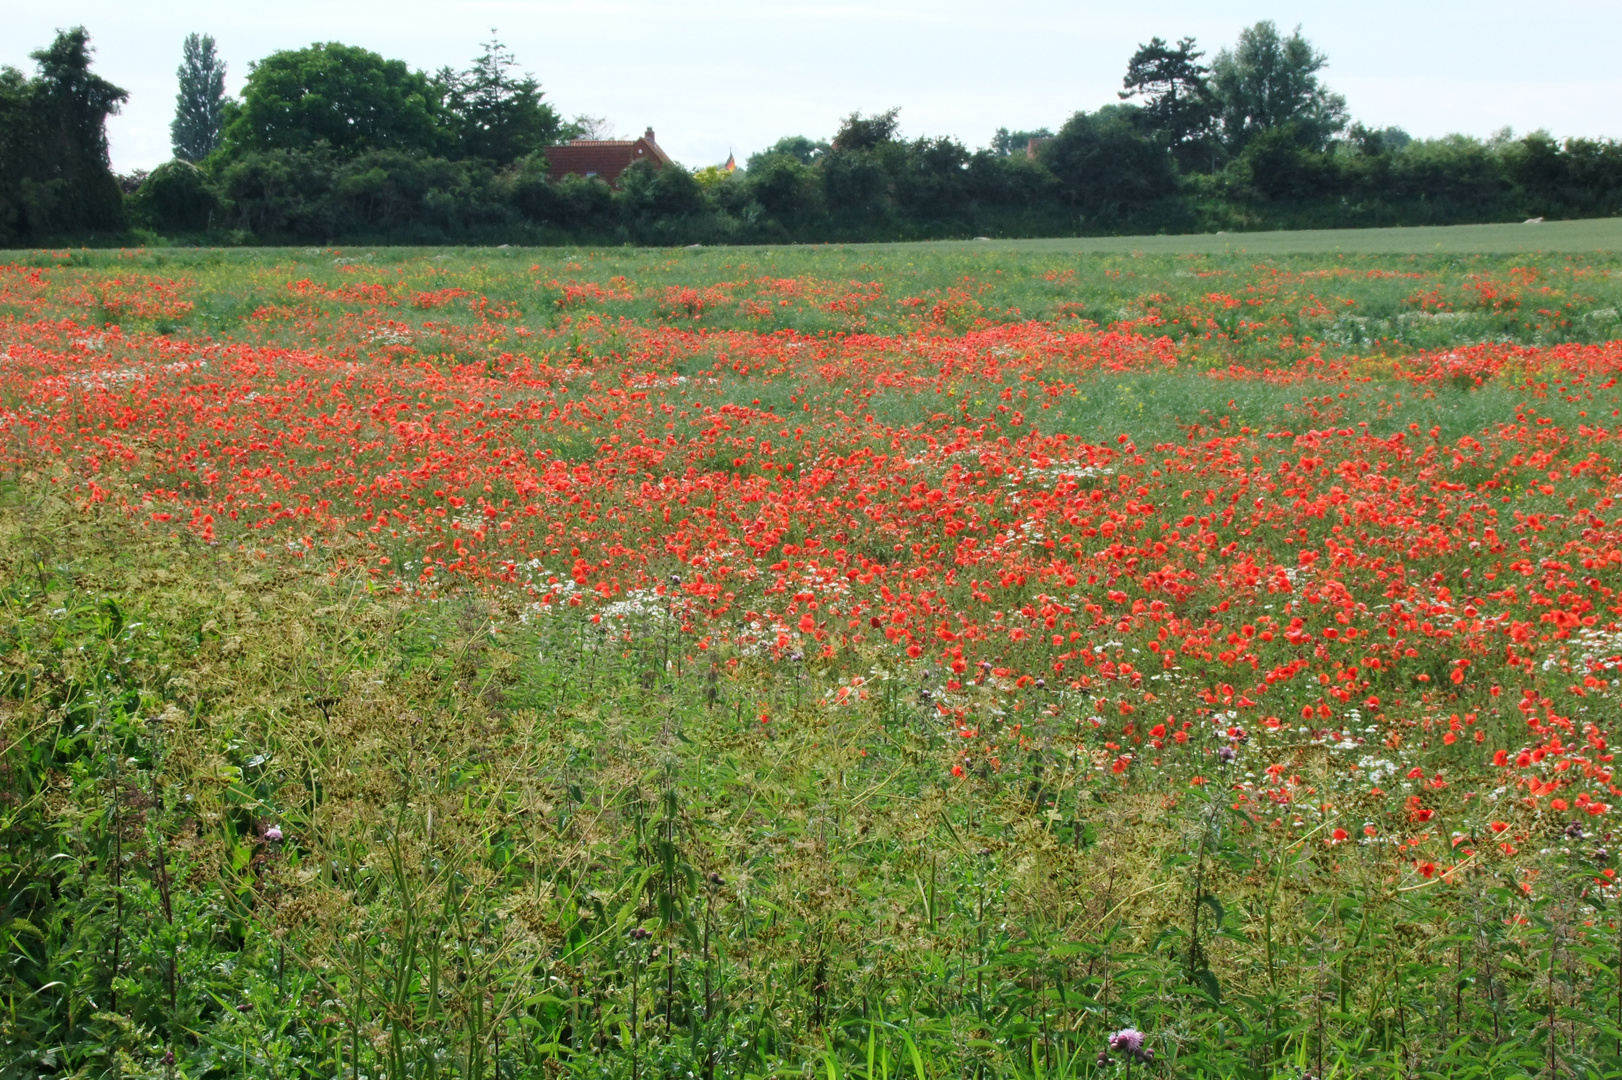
<point x="603" y="159"/>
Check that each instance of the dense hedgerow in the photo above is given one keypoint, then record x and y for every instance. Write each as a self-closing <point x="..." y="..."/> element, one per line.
<point x="903" y="190"/>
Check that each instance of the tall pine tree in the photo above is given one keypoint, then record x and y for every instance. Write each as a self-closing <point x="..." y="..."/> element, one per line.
<point x="200" y="105"/>
<point x="1178" y="104"/>
<point x="499" y="114"/>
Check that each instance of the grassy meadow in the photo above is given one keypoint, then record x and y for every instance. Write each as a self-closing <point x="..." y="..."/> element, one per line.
<point x="850" y="662"/>
<point x="1590" y="236"/>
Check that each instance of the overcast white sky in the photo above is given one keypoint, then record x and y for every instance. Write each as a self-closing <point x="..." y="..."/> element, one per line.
<point x="717" y="75"/>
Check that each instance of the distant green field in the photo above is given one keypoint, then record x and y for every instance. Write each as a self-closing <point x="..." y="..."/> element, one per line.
<point x="1593" y="234"/>
<point x="1588" y="235"/>
<point x="1245" y="303"/>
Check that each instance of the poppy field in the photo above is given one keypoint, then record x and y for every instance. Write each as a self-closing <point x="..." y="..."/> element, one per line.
<point x="841" y="661"/>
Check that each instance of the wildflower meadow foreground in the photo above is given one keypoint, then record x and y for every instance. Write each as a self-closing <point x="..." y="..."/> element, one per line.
<point x="853" y="662"/>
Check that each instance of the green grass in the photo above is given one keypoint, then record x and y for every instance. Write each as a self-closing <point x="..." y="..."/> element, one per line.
<point x="1584" y="236"/>
<point x="1230" y="304"/>
<point x="1590" y="235"/>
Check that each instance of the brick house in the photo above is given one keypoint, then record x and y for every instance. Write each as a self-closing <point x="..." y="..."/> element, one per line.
<point x="604" y="159"/>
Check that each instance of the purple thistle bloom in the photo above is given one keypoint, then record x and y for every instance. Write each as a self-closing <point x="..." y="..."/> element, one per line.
<point x="274" y="834"/>
<point x="1126" y="1041"/>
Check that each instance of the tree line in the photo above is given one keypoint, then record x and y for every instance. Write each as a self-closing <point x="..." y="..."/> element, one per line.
<point x="336" y="143"/>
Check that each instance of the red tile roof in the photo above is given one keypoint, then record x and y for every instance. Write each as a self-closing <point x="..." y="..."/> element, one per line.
<point x="604" y="159"/>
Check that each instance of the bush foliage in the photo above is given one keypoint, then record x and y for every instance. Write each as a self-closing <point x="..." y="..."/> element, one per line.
<point x="1099" y="176"/>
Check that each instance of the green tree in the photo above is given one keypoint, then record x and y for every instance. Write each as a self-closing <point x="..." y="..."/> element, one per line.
<point x="859" y="173"/>
<point x="499" y="114"/>
<point x="1108" y="167"/>
<point x="1372" y="142"/>
<point x="931" y="184"/>
<point x="200" y="104"/>
<point x="349" y="98"/>
<point x="787" y="188"/>
<point x="859" y="132"/>
<point x="1268" y="82"/>
<point x="1178" y="103"/>
<point x="1276" y="167"/>
<point x="648" y="193"/>
<point x="1009" y="143"/>
<point x="798" y="147"/>
<point x="280" y="194"/>
<point x="55" y="176"/>
<point x="16" y="137"/>
<point x="177" y="198"/>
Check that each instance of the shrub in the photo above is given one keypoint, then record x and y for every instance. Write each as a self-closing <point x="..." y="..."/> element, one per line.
<point x="1106" y="167"/>
<point x="177" y="198"/>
